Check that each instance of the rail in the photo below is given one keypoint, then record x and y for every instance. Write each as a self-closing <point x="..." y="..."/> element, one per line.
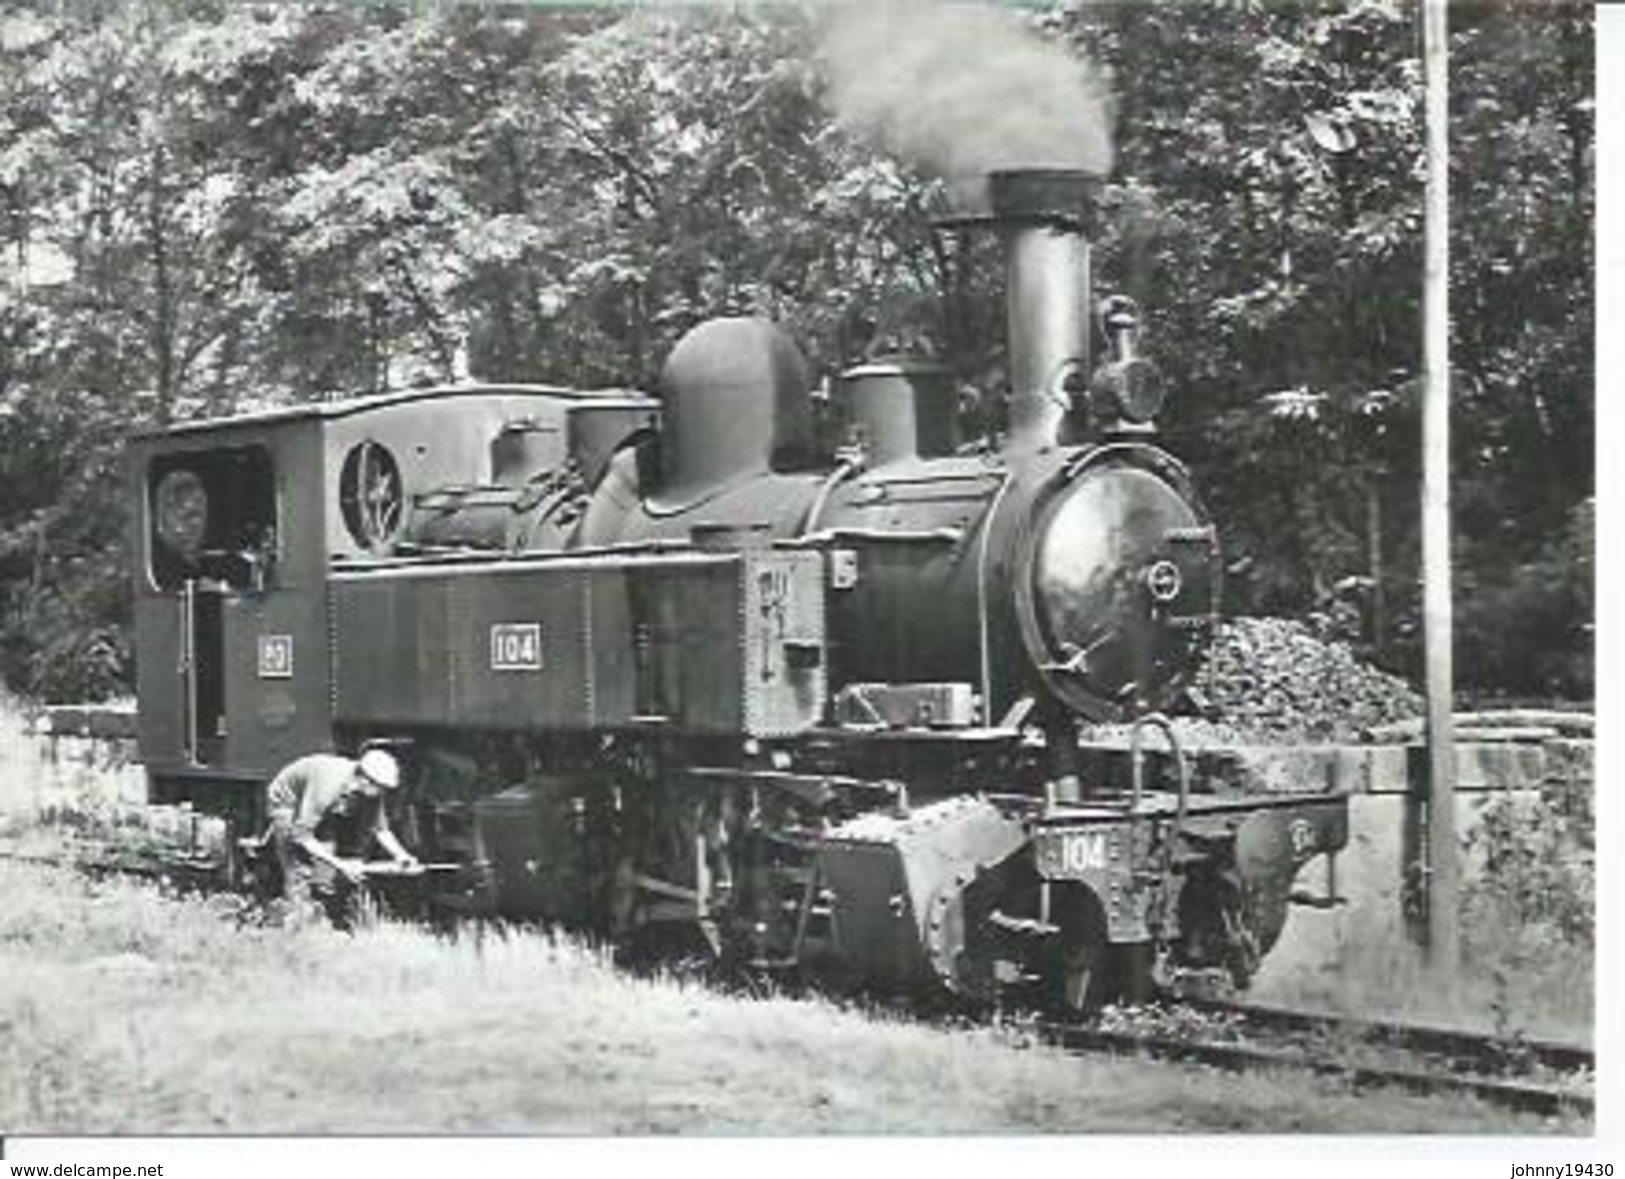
<point x="1540" y="1077"/>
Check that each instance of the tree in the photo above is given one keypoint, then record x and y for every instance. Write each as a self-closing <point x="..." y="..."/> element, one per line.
<point x="206" y="207"/>
<point x="1273" y="227"/>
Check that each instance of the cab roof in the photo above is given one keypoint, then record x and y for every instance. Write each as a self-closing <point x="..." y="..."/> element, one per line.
<point x="328" y="410"/>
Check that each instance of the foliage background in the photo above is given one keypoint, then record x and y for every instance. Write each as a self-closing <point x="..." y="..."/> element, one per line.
<point x="207" y="207"/>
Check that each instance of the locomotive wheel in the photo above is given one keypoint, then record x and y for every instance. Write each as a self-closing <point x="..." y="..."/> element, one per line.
<point x="674" y="949"/>
<point x="829" y="973"/>
<point x="1078" y="980"/>
<point x="1217" y="926"/>
<point x="1132" y="965"/>
<point x="1080" y="983"/>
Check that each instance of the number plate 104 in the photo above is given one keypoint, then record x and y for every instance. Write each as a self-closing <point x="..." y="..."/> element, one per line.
<point x="1080" y="853"/>
<point x="516" y="646"/>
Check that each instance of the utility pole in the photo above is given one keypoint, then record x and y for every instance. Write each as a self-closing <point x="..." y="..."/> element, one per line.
<point x="1443" y="880"/>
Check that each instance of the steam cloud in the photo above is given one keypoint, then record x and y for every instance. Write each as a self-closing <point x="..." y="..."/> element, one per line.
<point x="964" y="90"/>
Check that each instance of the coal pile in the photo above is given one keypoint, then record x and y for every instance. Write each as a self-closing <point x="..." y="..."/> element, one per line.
<point x="1271" y="679"/>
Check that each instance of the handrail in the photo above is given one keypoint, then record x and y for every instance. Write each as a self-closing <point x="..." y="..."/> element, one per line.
<point x="1137" y="764"/>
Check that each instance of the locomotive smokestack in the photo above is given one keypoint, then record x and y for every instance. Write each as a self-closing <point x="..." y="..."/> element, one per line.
<point x="1043" y="214"/>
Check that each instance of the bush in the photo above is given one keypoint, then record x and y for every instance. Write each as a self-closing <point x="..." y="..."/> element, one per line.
<point x="1531" y="629"/>
<point x="1538" y="868"/>
<point x="1529" y="913"/>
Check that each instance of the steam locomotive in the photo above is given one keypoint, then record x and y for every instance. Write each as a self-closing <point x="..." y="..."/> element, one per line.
<point x="662" y="671"/>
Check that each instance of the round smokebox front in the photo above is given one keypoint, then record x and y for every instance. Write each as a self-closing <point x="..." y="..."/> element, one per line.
<point x="1121" y="583"/>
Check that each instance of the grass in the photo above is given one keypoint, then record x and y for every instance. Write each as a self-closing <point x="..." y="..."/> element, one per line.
<point x="1517" y="978"/>
<point x="125" y="1011"/>
<point x="1527" y="984"/>
<point x="122" y="1010"/>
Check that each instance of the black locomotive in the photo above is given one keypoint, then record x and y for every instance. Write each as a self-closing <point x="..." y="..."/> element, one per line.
<point x="661" y="670"/>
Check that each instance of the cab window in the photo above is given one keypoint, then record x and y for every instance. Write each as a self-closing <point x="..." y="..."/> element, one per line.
<point x="212" y="517"/>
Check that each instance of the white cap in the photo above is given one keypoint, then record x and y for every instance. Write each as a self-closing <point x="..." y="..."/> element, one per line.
<point x="381" y="768"/>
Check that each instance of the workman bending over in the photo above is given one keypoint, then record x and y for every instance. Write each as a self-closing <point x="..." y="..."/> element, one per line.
<point x="327" y="815"/>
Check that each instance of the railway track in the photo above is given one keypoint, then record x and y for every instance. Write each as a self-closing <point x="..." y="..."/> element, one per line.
<point x="1539" y="1077"/>
<point x="1535" y="1076"/>
<point x="1516" y="1054"/>
<point x="102" y="858"/>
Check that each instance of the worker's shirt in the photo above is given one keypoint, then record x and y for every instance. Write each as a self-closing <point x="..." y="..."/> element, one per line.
<point x="315" y="794"/>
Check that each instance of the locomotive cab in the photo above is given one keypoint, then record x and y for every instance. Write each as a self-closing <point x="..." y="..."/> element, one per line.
<point x="228" y="606"/>
<point x="240" y="522"/>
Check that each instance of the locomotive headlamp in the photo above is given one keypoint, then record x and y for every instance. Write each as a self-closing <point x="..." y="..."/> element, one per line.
<point x="1131" y="389"/>
<point x="181" y="512"/>
<point x="1126" y="386"/>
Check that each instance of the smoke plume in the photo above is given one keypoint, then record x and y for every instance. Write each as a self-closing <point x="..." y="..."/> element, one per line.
<point x="962" y="90"/>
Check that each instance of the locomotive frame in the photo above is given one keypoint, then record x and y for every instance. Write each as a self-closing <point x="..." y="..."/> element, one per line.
<point x="660" y="668"/>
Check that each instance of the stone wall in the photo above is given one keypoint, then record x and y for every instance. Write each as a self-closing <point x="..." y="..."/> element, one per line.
<point x="1370" y="941"/>
<point x="58" y="762"/>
